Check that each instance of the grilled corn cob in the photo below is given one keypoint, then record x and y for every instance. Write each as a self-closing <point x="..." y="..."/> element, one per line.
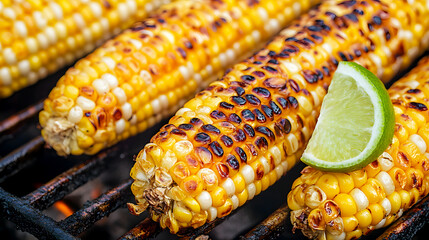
<point x="150" y="70"/>
<point x="39" y="37"/>
<point x="348" y="205"/>
<point x="241" y="134"/>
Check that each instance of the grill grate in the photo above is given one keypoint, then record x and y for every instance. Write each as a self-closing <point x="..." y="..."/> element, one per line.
<point x="27" y="211"/>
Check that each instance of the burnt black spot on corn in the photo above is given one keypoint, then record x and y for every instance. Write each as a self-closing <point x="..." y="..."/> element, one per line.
<point x="349" y="205"/>
<point x="273" y="142"/>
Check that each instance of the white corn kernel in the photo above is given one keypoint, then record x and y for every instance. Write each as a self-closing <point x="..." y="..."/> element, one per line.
<point x="24" y="67"/>
<point x="57" y="10"/>
<point x="61" y="30"/>
<point x="156" y="106"/>
<point x="51" y="35"/>
<point x="96" y="9"/>
<point x="5" y="76"/>
<point x="235" y="202"/>
<point x="205" y="200"/>
<point x="380" y="224"/>
<point x="248" y="174"/>
<point x="133" y="120"/>
<point x="110" y="79"/>
<point x="136" y="43"/>
<point x="360" y="199"/>
<point x="293" y="143"/>
<point x="212" y="214"/>
<point x="387" y="182"/>
<point x="256" y="35"/>
<point x="31" y="44"/>
<point x="228" y="186"/>
<point x="39" y="19"/>
<point x="75" y="114"/>
<point x="284" y="165"/>
<point x="277" y="155"/>
<point x="385" y="161"/>
<point x="9" y="56"/>
<point x="184" y="147"/>
<point x="251" y="191"/>
<point x="120" y="95"/>
<point x="127" y="111"/>
<point x="385" y="203"/>
<point x="266" y="165"/>
<point x="109" y="62"/>
<point x="420" y="143"/>
<point x="163" y="100"/>
<point x="78" y="19"/>
<point x="20" y="28"/>
<point x="120" y="126"/>
<point x="185" y="73"/>
<point x="85" y="103"/>
<point x="42" y="40"/>
<point x="279" y="171"/>
<point x="101" y="86"/>
<point x="32" y="78"/>
<point x="123" y="11"/>
<point x="182" y="111"/>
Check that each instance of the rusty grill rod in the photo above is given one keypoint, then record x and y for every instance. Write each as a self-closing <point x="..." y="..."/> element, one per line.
<point x="271" y="226"/>
<point x="30" y="219"/>
<point x="145" y="229"/>
<point x="97" y="209"/>
<point x="60" y="186"/>
<point x="14" y="120"/>
<point x="19" y="158"/>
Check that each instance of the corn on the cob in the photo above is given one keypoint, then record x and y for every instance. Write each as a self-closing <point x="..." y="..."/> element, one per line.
<point x="150" y="70"/>
<point x="40" y="36"/>
<point x="348" y="205"/>
<point x="242" y="133"/>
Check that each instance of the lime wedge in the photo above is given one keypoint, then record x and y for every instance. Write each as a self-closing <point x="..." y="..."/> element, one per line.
<point x="356" y="122"/>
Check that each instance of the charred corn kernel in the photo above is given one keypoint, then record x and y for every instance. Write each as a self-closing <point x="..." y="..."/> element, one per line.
<point x="329" y="185"/>
<point x="35" y="37"/>
<point x="225" y="209"/>
<point x="156" y="65"/>
<point x="395" y="181"/>
<point x="237" y="120"/>
<point x="346" y="204"/>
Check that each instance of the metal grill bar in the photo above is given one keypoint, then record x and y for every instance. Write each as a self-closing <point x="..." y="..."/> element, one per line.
<point x="97" y="209"/>
<point x="30" y="219"/>
<point x="66" y="182"/>
<point x="145" y="229"/>
<point x="271" y="226"/>
<point x="14" y="120"/>
<point x="20" y="158"/>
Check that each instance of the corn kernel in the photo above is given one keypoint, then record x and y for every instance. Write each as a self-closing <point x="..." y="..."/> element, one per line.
<point x="364" y="217"/>
<point x="329" y="184"/>
<point x="346" y="204"/>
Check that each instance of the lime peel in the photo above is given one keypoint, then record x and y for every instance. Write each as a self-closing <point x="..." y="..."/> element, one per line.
<point x="340" y="139"/>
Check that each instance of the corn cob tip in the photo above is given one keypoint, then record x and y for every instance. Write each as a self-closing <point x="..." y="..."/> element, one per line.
<point x="59" y="133"/>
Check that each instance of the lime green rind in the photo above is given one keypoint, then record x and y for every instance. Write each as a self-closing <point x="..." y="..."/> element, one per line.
<point x="382" y="139"/>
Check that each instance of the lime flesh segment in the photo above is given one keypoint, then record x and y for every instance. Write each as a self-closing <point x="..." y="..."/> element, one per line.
<point x="356" y="122"/>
